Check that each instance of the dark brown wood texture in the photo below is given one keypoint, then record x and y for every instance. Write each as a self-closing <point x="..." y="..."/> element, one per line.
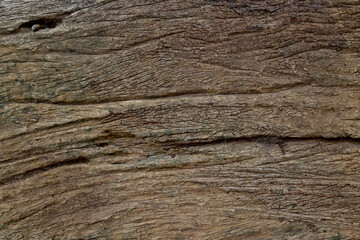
<point x="180" y="119"/>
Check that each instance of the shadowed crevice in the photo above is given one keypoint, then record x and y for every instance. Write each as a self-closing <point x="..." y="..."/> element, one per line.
<point x="265" y="139"/>
<point x="41" y="23"/>
<point x="36" y="171"/>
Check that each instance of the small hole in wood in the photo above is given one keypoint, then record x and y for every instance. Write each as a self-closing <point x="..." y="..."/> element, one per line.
<point x="38" y="24"/>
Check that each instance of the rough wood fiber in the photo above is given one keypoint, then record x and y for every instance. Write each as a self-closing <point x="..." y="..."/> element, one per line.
<point x="195" y="119"/>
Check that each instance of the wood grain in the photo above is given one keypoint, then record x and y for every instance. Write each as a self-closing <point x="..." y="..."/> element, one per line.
<point x="207" y="119"/>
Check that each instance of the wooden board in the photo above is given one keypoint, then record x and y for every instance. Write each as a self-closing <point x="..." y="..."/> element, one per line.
<point x="195" y="119"/>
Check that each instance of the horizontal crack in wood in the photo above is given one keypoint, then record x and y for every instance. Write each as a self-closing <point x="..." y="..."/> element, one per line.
<point x="32" y="172"/>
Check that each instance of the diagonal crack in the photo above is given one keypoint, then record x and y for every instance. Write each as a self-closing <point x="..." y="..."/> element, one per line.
<point x="32" y="172"/>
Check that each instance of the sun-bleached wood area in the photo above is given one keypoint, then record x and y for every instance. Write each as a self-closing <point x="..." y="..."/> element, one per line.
<point x="180" y="119"/>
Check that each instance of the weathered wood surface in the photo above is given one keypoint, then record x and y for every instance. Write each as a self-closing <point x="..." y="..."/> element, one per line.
<point x="195" y="119"/>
